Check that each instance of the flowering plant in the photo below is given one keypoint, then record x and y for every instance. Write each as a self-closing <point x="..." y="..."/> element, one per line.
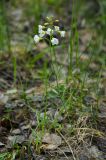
<point x="48" y="31"/>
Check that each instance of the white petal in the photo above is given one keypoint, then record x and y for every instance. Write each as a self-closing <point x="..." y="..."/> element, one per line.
<point x="39" y="31"/>
<point x="55" y="41"/>
<point x="56" y="28"/>
<point x="49" y="31"/>
<point x="42" y="33"/>
<point x="40" y="27"/>
<point x="36" y="38"/>
<point x="62" y="33"/>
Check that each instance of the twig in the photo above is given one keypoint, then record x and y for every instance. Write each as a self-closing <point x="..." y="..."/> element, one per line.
<point x="68" y="145"/>
<point x="63" y="153"/>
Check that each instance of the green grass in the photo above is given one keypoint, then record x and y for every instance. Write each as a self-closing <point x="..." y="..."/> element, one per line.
<point x="4" y="29"/>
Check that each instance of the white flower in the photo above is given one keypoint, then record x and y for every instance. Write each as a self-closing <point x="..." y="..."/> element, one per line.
<point x="55" y="41"/>
<point x="40" y="28"/>
<point x="49" y="31"/>
<point x="42" y="33"/>
<point x="62" y="33"/>
<point x="56" y="28"/>
<point x="36" y="38"/>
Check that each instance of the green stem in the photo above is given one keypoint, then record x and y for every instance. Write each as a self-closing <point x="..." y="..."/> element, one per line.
<point x="56" y="65"/>
<point x="15" y="69"/>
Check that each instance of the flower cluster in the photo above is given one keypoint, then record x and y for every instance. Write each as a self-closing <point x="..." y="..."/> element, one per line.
<point x="47" y="30"/>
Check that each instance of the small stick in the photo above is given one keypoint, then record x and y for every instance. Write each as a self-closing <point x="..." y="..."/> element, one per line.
<point x="68" y="145"/>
